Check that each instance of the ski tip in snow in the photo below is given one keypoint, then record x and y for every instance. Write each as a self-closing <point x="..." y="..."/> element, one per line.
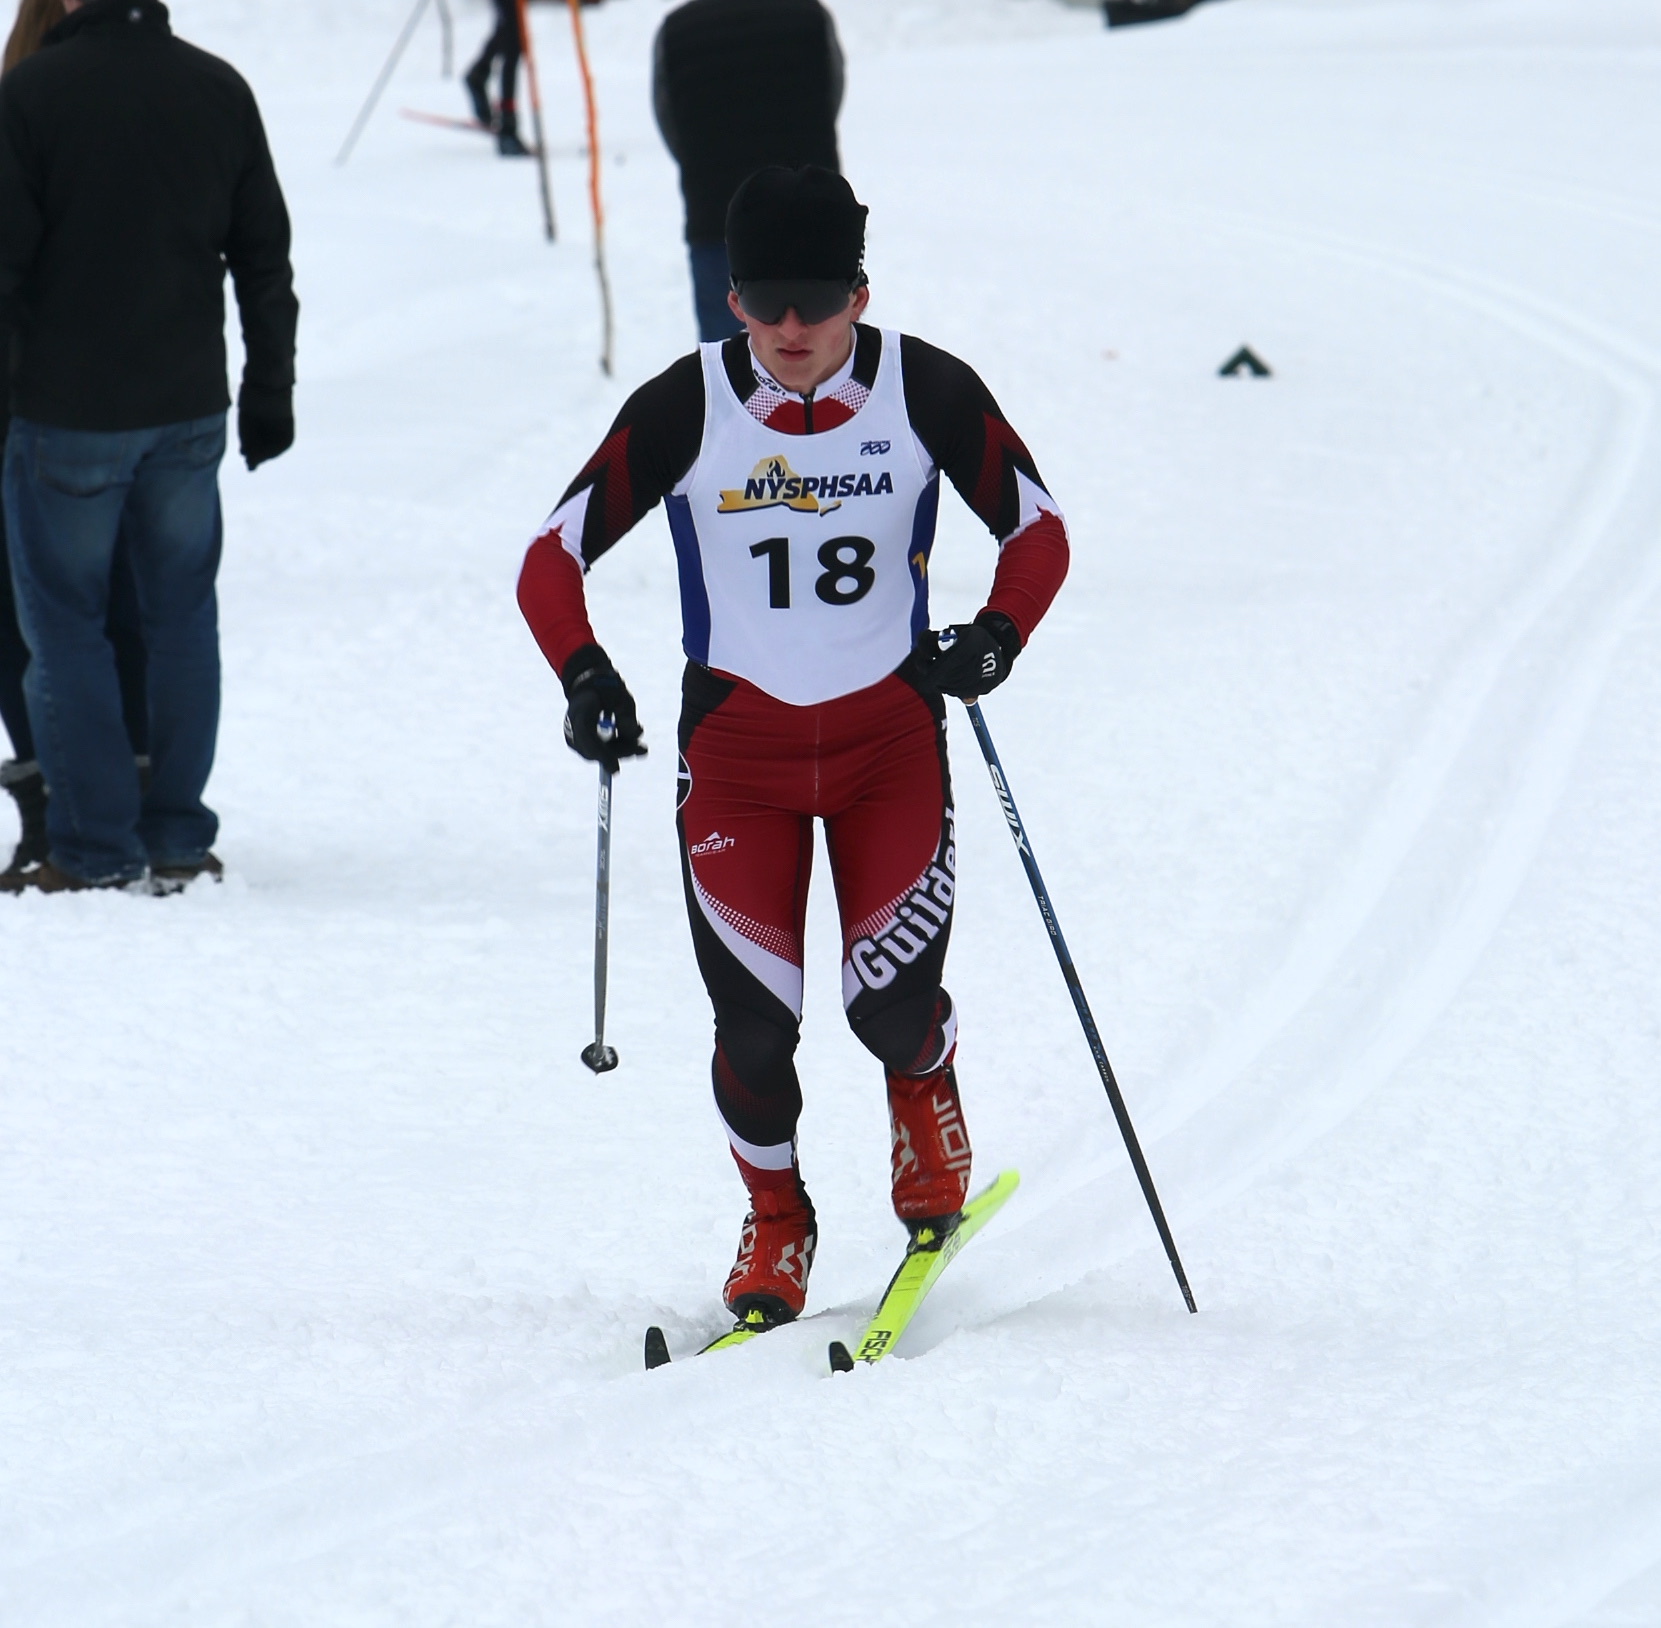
<point x="657" y="1348"/>
<point x="841" y="1358"/>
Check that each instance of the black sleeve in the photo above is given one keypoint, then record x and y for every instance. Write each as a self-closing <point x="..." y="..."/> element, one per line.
<point x="966" y="433"/>
<point x="257" y="257"/>
<point x="743" y="83"/>
<point x="646" y="453"/>
<point x="21" y="225"/>
<point x="836" y="68"/>
<point x="662" y="109"/>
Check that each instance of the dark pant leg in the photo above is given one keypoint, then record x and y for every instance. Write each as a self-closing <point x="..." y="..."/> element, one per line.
<point x="508" y="47"/>
<point x="14" y="662"/>
<point x="504" y="39"/>
<point x="126" y="638"/>
<point x="711" y="280"/>
<point x="64" y="495"/>
<point x="503" y="46"/>
<point x="174" y="530"/>
<point x="125" y="629"/>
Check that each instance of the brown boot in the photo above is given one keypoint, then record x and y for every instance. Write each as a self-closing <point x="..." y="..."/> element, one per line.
<point x="47" y="878"/>
<point x="169" y="879"/>
<point x="27" y="786"/>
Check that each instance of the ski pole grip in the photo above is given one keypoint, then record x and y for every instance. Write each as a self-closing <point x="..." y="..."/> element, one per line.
<point x="606" y="727"/>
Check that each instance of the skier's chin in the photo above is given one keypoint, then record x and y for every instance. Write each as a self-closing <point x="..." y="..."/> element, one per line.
<point x="798" y="367"/>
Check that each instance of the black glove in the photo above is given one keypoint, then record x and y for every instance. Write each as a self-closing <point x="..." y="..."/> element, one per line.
<point x="600" y="721"/>
<point x="970" y="659"/>
<point x="264" y="423"/>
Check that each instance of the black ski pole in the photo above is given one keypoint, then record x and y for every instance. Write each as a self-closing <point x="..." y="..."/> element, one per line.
<point x="1000" y="784"/>
<point x="398" y="50"/>
<point x="600" y="1057"/>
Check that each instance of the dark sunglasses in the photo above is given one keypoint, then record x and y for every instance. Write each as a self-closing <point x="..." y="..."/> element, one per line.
<point x="814" y="299"/>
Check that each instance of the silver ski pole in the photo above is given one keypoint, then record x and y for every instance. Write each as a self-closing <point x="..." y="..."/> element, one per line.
<point x="600" y="1057"/>
<point x="1012" y="816"/>
<point x="527" y="46"/>
<point x="362" y="119"/>
<point x="448" y="26"/>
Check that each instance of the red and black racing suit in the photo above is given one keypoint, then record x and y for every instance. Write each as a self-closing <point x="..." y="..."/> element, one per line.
<point x="757" y="771"/>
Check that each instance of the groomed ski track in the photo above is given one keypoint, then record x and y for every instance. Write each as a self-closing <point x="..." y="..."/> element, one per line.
<point x="323" y="1262"/>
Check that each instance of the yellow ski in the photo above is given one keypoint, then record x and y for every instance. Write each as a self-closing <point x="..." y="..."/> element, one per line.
<point x="747" y="1328"/>
<point x="926" y="1257"/>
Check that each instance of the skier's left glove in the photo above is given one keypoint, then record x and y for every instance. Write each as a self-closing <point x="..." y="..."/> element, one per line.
<point x="264" y="423"/>
<point x="970" y="659"/>
<point x="600" y="720"/>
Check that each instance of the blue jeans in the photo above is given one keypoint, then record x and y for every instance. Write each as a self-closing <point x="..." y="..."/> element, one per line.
<point x="710" y="281"/>
<point x="68" y="493"/>
<point x="126" y="638"/>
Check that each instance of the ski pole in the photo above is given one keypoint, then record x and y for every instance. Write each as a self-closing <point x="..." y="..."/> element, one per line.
<point x="447" y="28"/>
<point x="594" y="187"/>
<point x="527" y="46"/>
<point x="1000" y="784"/>
<point x="368" y="107"/>
<point x="600" y="1057"/>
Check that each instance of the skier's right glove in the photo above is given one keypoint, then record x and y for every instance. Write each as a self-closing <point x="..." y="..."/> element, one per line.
<point x="600" y="721"/>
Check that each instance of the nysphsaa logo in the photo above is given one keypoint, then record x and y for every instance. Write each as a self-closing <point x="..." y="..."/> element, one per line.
<point x="774" y="484"/>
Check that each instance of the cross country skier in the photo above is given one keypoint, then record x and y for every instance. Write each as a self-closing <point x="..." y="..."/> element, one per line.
<point x="801" y="463"/>
<point x="503" y="46"/>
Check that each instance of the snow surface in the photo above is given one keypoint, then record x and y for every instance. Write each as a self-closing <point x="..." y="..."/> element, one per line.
<point x="323" y="1262"/>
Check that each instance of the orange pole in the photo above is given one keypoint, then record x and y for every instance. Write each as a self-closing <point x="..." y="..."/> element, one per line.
<point x="594" y="201"/>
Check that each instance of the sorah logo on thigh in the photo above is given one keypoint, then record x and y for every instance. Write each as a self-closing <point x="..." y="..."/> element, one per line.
<point x="917" y="922"/>
<point x="714" y="843"/>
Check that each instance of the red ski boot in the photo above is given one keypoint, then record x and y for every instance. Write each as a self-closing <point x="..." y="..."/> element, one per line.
<point x="931" y="1147"/>
<point x="775" y="1250"/>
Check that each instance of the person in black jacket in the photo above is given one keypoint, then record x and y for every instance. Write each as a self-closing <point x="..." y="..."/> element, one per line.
<point x="738" y="85"/>
<point x="20" y="774"/>
<point x="134" y="172"/>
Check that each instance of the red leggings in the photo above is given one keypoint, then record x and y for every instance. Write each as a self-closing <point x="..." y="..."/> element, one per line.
<point x="755" y="774"/>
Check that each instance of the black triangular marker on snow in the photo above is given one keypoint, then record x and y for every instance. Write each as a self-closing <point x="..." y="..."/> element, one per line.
<point x="1244" y="360"/>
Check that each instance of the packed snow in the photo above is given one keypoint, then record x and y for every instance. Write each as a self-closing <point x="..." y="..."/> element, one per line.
<point x="324" y="1263"/>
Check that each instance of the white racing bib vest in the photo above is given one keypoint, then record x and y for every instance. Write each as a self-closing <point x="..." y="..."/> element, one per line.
<point x="804" y="558"/>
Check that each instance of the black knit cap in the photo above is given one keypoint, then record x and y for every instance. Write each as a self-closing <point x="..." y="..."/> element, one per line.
<point x="803" y="223"/>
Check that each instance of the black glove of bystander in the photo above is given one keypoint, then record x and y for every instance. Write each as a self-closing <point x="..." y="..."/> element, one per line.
<point x="264" y="423"/>
<point x="970" y="659"/>
<point x="597" y="699"/>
